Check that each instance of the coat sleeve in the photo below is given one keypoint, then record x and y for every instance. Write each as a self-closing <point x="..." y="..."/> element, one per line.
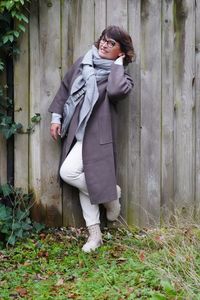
<point x="64" y="89"/>
<point x="119" y="83"/>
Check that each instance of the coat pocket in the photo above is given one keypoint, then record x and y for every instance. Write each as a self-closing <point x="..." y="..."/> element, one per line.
<point x="105" y="130"/>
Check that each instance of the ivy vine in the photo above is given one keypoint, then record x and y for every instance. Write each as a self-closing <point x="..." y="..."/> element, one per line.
<point x="13" y="19"/>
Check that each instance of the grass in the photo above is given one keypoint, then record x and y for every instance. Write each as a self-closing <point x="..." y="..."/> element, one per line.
<point x="132" y="264"/>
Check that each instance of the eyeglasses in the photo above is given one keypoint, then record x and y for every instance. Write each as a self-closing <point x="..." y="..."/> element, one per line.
<point x="110" y="43"/>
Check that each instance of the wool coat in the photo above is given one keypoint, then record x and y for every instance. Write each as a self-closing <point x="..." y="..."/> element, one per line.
<point x="99" y="142"/>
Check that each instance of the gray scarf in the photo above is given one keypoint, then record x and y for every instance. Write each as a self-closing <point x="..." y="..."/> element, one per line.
<point x="93" y="69"/>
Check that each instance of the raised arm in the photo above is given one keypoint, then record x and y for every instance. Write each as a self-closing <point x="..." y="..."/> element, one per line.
<point x="119" y="83"/>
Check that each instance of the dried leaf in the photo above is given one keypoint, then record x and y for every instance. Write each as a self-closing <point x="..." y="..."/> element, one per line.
<point x="21" y="291"/>
<point x="121" y="259"/>
<point x="142" y="255"/>
<point x="60" y="282"/>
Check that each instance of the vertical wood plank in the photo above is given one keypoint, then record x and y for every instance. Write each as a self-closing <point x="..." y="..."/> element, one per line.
<point x="35" y="179"/>
<point x="47" y="67"/>
<point x="150" y="111"/>
<point x="71" y="209"/>
<point x="78" y="17"/>
<point x="119" y="17"/>
<point x="167" y="186"/>
<point x="50" y="64"/>
<point x="84" y="33"/>
<point x="184" y="105"/>
<point x="100" y="17"/>
<point x="133" y="205"/>
<point x="197" y="116"/>
<point x="3" y="147"/>
<point x="21" y="106"/>
<point x="117" y="13"/>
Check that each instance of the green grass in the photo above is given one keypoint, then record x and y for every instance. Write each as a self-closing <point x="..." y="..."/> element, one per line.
<point x="131" y="264"/>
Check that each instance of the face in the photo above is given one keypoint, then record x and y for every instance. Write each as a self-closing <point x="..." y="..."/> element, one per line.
<point x="109" y="49"/>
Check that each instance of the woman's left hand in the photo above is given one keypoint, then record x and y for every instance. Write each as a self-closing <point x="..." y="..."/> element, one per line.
<point x="55" y="130"/>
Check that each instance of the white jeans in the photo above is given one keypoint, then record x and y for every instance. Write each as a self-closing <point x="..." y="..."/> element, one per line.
<point x="72" y="172"/>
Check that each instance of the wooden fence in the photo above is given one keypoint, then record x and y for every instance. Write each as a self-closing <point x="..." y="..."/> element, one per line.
<point x="159" y="124"/>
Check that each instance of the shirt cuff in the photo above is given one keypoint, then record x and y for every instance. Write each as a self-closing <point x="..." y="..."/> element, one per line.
<point x="56" y="118"/>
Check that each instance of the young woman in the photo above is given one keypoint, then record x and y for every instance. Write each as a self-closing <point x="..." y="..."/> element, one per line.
<point x="85" y="105"/>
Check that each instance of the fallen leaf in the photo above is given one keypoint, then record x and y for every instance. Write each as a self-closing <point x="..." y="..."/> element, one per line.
<point x="72" y="296"/>
<point x="60" y="282"/>
<point x="160" y="239"/>
<point x="43" y="254"/>
<point x="42" y="236"/>
<point x="21" y="291"/>
<point x="142" y="255"/>
<point x="121" y="259"/>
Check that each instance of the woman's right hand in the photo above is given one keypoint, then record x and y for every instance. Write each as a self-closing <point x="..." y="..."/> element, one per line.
<point x="55" y="130"/>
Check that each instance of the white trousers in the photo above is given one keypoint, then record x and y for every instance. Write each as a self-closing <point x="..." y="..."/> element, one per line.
<point x="72" y="173"/>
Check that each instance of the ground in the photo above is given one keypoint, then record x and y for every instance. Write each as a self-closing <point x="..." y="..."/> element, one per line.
<point x="152" y="264"/>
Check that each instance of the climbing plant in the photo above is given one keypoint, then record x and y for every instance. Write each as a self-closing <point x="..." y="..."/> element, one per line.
<point x="13" y="20"/>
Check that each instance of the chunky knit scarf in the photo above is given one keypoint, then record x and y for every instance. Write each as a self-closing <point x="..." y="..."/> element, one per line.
<point x="93" y="69"/>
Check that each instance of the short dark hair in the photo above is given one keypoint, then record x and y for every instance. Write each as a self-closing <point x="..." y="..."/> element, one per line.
<point x="123" y="38"/>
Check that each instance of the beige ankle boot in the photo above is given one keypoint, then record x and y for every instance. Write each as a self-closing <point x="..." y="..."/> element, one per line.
<point x="94" y="240"/>
<point x="113" y="207"/>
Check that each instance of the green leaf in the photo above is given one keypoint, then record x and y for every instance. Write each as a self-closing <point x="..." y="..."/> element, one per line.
<point x="24" y="18"/>
<point x="16" y="226"/>
<point x="5" y="39"/>
<point x="21" y="27"/>
<point x="36" y="118"/>
<point x="3" y="212"/>
<point x="38" y="227"/>
<point x="16" y="33"/>
<point x="6" y="189"/>
<point x="158" y="296"/>
<point x="1" y="66"/>
<point x="19" y="233"/>
<point x="11" y="38"/>
<point x="20" y="214"/>
<point x="168" y="288"/>
<point x="26" y="226"/>
<point x="11" y="240"/>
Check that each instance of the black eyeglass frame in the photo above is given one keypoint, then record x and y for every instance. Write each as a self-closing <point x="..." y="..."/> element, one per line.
<point x="110" y="43"/>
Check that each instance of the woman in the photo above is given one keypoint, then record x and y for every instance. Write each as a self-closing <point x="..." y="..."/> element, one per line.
<point x="85" y="104"/>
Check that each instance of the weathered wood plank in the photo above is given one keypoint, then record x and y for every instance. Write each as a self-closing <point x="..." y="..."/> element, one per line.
<point x="119" y="17"/>
<point x="167" y="185"/>
<point x="100" y="17"/>
<point x="21" y="105"/>
<point x="197" y="105"/>
<point x="84" y="33"/>
<point x="150" y="111"/>
<point x="133" y="199"/>
<point x="117" y="13"/>
<point x="184" y="105"/>
<point x="72" y="213"/>
<point x="35" y="179"/>
<point x="47" y="67"/>
<point x="3" y="146"/>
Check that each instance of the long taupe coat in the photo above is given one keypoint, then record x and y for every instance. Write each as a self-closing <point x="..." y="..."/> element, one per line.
<point x="100" y="133"/>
